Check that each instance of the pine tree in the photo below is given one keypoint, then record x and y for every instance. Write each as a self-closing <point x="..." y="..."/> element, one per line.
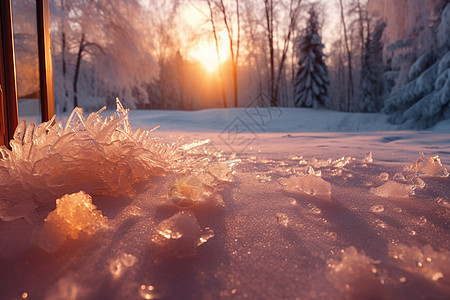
<point x="311" y="83"/>
<point x="372" y="83"/>
<point x="425" y="99"/>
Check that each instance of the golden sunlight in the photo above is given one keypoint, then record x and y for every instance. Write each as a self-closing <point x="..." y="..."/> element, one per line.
<point x="206" y="54"/>
<point x="196" y="16"/>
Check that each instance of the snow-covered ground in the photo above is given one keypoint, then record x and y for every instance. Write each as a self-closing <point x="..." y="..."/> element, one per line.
<point x="280" y="204"/>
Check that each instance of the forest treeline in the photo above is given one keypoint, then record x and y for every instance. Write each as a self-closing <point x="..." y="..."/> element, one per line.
<point x="139" y="51"/>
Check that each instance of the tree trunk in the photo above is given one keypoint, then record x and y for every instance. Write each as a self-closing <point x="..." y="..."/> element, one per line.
<point x="269" y="21"/>
<point x="234" y="54"/>
<point x="221" y="77"/>
<point x="351" y="90"/>
<point x="77" y="71"/>
<point x="293" y="15"/>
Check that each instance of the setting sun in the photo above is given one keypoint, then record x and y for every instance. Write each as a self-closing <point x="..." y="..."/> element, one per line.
<point x="205" y="49"/>
<point x="207" y="56"/>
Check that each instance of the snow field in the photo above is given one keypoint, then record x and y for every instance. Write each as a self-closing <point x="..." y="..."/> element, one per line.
<point x="287" y="215"/>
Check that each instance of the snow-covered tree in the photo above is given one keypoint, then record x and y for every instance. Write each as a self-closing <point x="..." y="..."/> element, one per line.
<point x="311" y="83"/>
<point x="425" y="98"/>
<point x="98" y="51"/>
<point x="372" y="83"/>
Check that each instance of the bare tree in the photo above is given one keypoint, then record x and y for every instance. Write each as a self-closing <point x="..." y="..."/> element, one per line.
<point x="351" y="90"/>
<point x="269" y="11"/>
<point x="234" y="50"/>
<point x="213" y="26"/>
<point x="82" y="49"/>
<point x="293" y="14"/>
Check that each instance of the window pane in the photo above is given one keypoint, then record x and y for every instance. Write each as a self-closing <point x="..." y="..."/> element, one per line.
<point x="27" y="60"/>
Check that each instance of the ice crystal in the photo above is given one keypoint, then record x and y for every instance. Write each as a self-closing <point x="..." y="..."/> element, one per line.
<point x="428" y="166"/>
<point x="74" y="215"/>
<point x="102" y="156"/>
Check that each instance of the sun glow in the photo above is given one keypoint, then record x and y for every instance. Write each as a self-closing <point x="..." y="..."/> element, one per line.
<point x="204" y="51"/>
<point x="206" y="54"/>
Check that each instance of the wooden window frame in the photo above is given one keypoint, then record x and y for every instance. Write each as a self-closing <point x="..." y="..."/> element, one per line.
<point x="9" y="116"/>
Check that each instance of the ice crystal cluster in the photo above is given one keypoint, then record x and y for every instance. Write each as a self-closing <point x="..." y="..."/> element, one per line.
<point x="74" y="215"/>
<point x="101" y="156"/>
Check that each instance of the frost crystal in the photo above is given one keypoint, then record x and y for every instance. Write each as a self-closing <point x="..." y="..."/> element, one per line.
<point x="102" y="156"/>
<point x="74" y="215"/>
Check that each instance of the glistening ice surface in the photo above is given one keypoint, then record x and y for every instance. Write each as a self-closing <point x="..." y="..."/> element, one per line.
<point x="308" y="216"/>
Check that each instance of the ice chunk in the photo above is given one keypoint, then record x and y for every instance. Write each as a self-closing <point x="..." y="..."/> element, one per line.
<point x="222" y="170"/>
<point x="308" y="184"/>
<point x="338" y="163"/>
<point x="180" y="235"/>
<point x="282" y="219"/>
<point x="384" y="176"/>
<point x="317" y="163"/>
<point x="74" y="215"/>
<point x="399" y="177"/>
<point x="393" y="189"/>
<point x="206" y="235"/>
<point x="355" y="275"/>
<point x="186" y="191"/>
<point x="368" y="158"/>
<point x="429" y="166"/>
<point x="343" y="161"/>
<point x="311" y="171"/>
<point x="431" y="264"/>
<point x="418" y="182"/>
<point x="377" y="208"/>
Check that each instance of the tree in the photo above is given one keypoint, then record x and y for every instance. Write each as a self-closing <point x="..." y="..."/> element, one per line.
<point x="99" y="42"/>
<point x="234" y="46"/>
<point x="351" y="90"/>
<point x="271" y="27"/>
<point x="311" y="80"/>
<point x="372" y="82"/>
<point x="216" y="40"/>
<point x="425" y="99"/>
